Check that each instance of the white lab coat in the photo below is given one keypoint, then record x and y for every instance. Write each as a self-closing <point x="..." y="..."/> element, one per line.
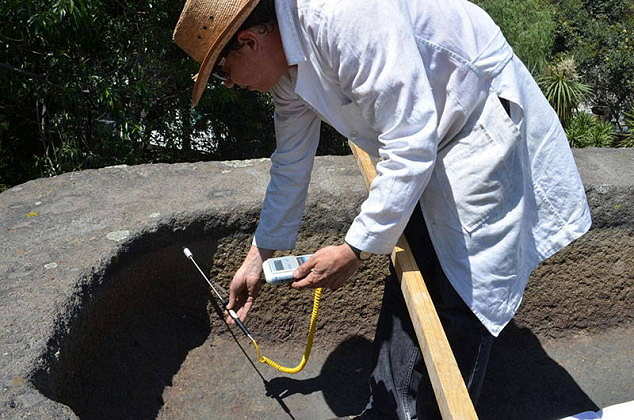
<point x="416" y="83"/>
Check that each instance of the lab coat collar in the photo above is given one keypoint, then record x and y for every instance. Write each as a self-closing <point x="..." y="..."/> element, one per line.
<point x="286" y="11"/>
<point x="307" y="82"/>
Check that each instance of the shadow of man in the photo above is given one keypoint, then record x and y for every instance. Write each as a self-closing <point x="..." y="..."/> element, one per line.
<point x="523" y="382"/>
<point x="343" y="378"/>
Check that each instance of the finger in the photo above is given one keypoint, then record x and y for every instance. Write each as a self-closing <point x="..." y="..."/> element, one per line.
<point x="310" y="281"/>
<point x="235" y="292"/>
<point x="236" y="312"/>
<point x="244" y="310"/>
<point x="232" y="299"/>
<point x="304" y="269"/>
<point x="235" y="303"/>
<point x="236" y="308"/>
<point x="228" y="318"/>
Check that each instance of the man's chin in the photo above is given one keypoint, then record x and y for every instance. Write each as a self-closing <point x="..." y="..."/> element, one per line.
<point x="256" y="89"/>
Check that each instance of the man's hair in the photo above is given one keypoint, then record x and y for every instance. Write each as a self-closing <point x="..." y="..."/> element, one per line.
<point x="262" y="18"/>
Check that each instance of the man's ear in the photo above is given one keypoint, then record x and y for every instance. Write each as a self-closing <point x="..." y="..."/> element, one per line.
<point x="248" y="38"/>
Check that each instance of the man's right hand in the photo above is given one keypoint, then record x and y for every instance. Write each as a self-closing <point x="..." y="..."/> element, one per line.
<point x="246" y="283"/>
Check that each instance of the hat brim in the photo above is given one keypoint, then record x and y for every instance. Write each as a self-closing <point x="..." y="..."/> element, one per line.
<point x="216" y="47"/>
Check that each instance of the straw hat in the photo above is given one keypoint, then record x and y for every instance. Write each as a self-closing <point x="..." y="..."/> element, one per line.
<point x="204" y="29"/>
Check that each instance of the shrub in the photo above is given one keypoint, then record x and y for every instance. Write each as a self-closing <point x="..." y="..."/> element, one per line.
<point x="92" y="83"/>
<point x="600" y="35"/>
<point x="628" y="137"/>
<point x="527" y="25"/>
<point x="586" y="130"/>
<point x="563" y="88"/>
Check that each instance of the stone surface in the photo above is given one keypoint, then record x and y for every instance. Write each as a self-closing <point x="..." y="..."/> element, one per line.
<point x="528" y="378"/>
<point x="97" y="299"/>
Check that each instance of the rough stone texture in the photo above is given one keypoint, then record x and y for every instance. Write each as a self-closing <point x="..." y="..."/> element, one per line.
<point x="95" y="294"/>
<point x="590" y="284"/>
<point x="528" y="379"/>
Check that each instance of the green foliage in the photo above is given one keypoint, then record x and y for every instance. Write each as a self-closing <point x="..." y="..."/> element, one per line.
<point x="527" y="25"/>
<point x="562" y="87"/>
<point x="628" y="136"/>
<point x="612" y="10"/>
<point x="89" y="83"/>
<point x="600" y="35"/>
<point x="586" y="130"/>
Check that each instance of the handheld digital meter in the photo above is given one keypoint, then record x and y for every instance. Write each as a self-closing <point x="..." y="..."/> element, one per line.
<point x="280" y="270"/>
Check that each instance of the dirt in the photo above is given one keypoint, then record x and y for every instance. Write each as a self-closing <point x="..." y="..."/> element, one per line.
<point x="281" y="313"/>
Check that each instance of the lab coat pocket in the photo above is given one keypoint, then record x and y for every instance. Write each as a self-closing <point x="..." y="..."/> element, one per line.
<point x="480" y="172"/>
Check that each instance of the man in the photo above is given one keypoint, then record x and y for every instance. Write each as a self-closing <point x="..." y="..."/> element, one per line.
<point x="474" y="165"/>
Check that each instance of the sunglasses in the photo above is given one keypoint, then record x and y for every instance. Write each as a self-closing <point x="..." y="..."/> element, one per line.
<point x="218" y="72"/>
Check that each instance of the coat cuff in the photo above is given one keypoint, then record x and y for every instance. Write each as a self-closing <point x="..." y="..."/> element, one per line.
<point x="279" y="243"/>
<point x="366" y="241"/>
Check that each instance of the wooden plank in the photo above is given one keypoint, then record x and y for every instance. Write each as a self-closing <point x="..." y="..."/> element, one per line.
<point x="449" y="387"/>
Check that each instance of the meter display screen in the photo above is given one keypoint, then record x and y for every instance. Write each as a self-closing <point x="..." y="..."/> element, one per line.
<point x="280" y="270"/>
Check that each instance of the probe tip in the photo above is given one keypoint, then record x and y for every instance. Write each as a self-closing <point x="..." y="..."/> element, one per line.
<point x="187" y="252"/>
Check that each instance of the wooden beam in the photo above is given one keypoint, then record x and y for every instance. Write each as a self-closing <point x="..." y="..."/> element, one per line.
<point x="449" y="388"/>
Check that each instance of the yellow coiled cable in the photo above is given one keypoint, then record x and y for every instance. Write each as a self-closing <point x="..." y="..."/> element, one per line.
<point x="312" y="326"/>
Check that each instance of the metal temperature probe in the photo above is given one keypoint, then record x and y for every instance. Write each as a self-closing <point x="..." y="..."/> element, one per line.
<point x="260" y="357"/>
<point x="232" y="313"/>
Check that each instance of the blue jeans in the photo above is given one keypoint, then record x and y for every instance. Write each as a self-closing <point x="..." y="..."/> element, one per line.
<point x="400" y="386"/>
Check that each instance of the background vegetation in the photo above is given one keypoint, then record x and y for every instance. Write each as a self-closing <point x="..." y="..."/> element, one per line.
<point x="92" y="83"/>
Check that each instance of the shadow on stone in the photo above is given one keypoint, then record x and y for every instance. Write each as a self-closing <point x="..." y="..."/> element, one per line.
<point x="343" y="378"/>
<point x="129" y="335"/>
<point x="524" y="383"/>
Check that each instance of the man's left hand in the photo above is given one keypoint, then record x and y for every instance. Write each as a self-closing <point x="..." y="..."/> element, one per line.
<point x="329" y="267"/>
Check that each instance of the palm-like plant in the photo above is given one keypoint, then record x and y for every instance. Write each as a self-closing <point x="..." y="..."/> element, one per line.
<point x="563" y="88"/>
